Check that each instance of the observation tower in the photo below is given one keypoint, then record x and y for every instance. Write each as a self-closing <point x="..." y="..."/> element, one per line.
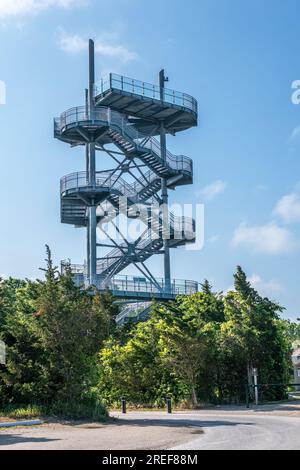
<point x="128" y="121"/>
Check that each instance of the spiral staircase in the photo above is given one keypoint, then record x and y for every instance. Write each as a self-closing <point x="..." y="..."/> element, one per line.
<point x="122" y="118"/>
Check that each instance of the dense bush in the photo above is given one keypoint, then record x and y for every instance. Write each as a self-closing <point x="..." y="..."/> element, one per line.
<point x="67" y="357"/>
<point x="199" y="349"/>
<point x="53" y="332"/>
<point x="87" y="408"/>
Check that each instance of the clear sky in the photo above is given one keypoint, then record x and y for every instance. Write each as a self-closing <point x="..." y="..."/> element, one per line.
<point x="237" y="57"/>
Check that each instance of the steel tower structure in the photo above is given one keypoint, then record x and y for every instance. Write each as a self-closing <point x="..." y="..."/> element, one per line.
<point x="121" y="119"/>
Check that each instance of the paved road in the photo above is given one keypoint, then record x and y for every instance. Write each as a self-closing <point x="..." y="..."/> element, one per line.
<point x="269" y="428"/>
<point x="246" y="433"/>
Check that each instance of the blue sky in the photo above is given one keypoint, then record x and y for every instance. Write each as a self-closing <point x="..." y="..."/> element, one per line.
<point x="238" y="58"/>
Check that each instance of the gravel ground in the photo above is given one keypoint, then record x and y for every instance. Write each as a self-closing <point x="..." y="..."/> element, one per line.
<point x="265" y="427"/>
<point x="122" y="434"/>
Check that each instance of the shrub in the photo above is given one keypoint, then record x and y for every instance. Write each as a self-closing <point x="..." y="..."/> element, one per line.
<point x="22" y="411"/>
<point x="89" y="408"/>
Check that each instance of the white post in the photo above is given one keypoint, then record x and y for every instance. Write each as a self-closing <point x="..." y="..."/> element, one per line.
<point x="254" y="372"/>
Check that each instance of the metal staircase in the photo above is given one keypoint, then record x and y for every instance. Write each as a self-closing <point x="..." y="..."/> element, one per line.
<point x="106" y="126"/>
<point x="136" y="311"/>
<point x="116" y="120"/>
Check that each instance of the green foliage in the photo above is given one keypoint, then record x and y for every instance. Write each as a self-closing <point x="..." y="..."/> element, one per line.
<point x="22" y="411"/>
<point x="291" y="331"/>
<point x="253" y="333"/>
<point x="53" y="331"/>
<point x="89" y="408"/>
<point x="135" y="369"/>
<point x="66" y="355"/>
<point x="199" y="348"/>
<point x="8" y="290"/>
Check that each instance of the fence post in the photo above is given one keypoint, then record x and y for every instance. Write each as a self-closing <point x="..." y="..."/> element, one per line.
<point x="255" y="375"/>
<point x="247" y="395"/>
<point x="123" y="401"/>
<point x="169" y="404"/>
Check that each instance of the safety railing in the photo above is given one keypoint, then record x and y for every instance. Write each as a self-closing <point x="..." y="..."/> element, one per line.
<point x="123" y="252"/>
<point x="80" y="180"/>
<point x="75" y="268"/>
<point x="80" y="114"/>
<point x="181" y="228"/>
<point x="132" y="310"/>
<point x="113" y="257"/>
<point x="119" y="122"/>
<point x="106" y="179"/>
<point x="176" y="162"/>
<point x="137" y="284"/>
<point x="139" y="88"/>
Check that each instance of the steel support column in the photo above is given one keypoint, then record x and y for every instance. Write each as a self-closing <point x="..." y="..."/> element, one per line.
<point x="87" y="167"/>
<point x="164" y="192"/>
<point x="92" y="224"/>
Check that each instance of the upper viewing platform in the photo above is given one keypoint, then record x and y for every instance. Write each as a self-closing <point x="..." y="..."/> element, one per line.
<point x="149" y="103"/>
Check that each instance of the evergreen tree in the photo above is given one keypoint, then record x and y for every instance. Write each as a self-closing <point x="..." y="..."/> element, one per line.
<point x="252" y="335"/>
<point x="72" y="324"/>
<point x="242" y="285"/>
<point x="206" y="287"/>
<point x="24" y="378"/>
<point x="53" y="332"/>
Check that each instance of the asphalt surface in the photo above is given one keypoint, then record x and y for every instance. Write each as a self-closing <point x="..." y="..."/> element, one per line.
<point x="270" y="428"/>
<point x="265" y="428"/>
<point x="246" y="433"/>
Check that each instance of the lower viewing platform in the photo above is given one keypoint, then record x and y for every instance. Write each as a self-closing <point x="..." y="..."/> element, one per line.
<point x="135" y="287"/>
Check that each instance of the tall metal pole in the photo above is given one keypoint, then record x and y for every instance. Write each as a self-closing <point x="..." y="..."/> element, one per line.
<point x="92" y="226"/>
<point x="87" y="180"/>
<point x="164" y="192"/>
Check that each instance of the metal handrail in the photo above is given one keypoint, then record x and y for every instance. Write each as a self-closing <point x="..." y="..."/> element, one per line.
<point x="137" y="87"/>
<point x="116" y="120"/>
<point x="106" y="179"/>
<point x="103" y="180"/>
<point x="75" y="268"/>
<point x="133" y="309"/>
<point x="128" y="283"/>
<point x="182" y="225"/>
<point x="137" y="284"/>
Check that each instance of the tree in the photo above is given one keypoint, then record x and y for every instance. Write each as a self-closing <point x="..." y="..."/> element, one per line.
<point x="292" y="332"/>
<point x="190" y="341"/>
<point x="252" y="335"/>
<point x="196" y="348"/>
<point x="54" y="331"/>
<point x="183" y="351"/>
<point x="243" y="286"/>
<point x="24" y="378"/>
<point x="8" y="290"/>
<point x="173" y="352"/>
<point x="72" y="324"/>
<point x="135" y="369"/>
<point x="2" y="302"/>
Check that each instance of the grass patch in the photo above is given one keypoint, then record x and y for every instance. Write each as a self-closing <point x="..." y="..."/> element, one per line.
<point x="88" y="409"/>
<point x="18" y="412"/>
